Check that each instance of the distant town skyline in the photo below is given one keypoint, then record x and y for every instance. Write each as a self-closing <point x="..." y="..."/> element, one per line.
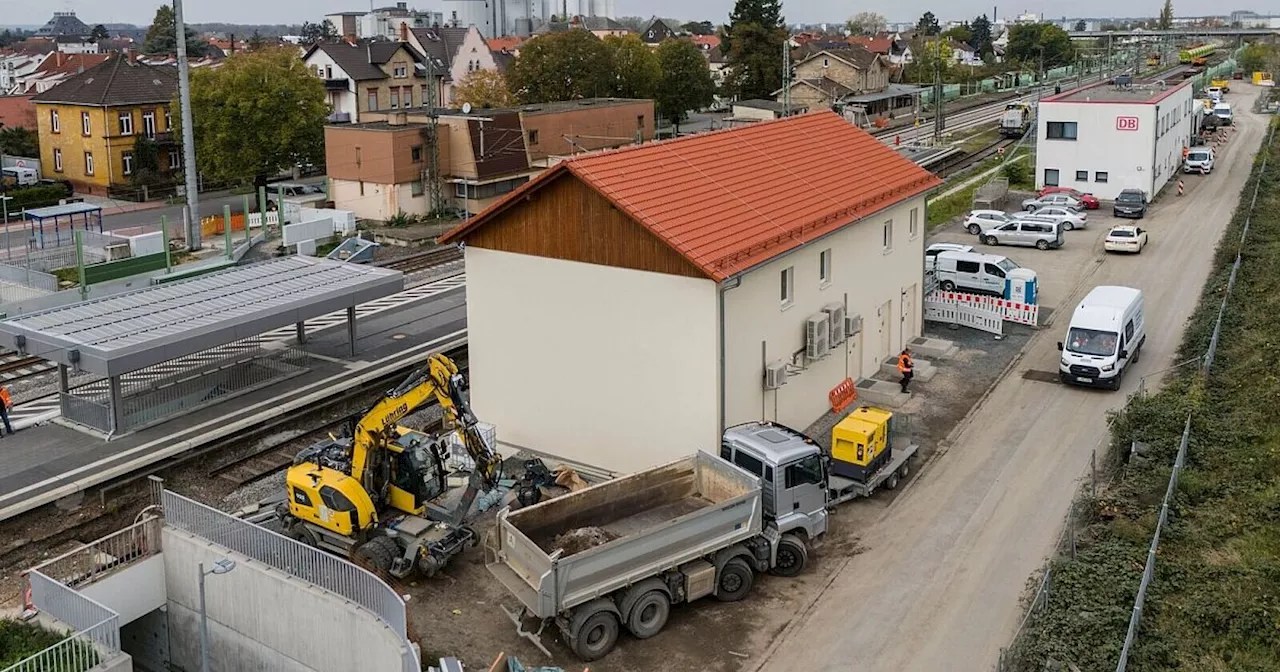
<point x="139" y="12"/>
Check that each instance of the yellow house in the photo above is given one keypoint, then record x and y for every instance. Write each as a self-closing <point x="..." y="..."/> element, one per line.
<point x="88" y="125"/>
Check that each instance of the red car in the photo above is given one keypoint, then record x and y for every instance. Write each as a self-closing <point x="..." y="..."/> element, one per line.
<point x="1090" y="201"/>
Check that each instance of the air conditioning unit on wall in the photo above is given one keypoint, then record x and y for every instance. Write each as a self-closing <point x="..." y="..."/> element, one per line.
<point x="835" y="314"/>
<point x="852" y="326"/>
<point x="775" y="375"/>
<point x="817" y="336"/>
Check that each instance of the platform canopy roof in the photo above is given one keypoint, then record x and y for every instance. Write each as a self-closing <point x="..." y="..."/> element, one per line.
<point x="127" y="332"/>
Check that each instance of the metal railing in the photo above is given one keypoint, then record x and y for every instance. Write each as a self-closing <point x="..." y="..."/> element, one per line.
<point x="294" y="558"/>
<point x="95" y="628"/>
<point x="1148" y="571"/>
<point x="29" y="278"/>
<point x="95" y="560"/>
<point x="81" y="408"/>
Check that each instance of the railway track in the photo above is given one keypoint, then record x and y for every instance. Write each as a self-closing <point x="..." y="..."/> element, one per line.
<point x="278" y="452"/>
<point x="422" y="261"/>
<point x="17" y="366"/>
<point x="958" y="163"/>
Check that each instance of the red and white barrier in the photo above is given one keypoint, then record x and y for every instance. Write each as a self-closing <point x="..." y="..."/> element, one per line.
<point x="1013" y="311"/>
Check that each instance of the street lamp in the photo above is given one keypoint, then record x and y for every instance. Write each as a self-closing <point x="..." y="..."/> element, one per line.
<point x="220" y="566"/>
<point x="8" y="253"/>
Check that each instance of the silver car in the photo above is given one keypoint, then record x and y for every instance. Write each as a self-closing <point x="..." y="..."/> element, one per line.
<point x="1058" y="199"/>
<point x="1068" y="218"/>
<point x="1040" y="235"/>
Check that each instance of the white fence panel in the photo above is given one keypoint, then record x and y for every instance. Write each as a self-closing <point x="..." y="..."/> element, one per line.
<point x="319" y="229"/>
<point x="147" y="243"/>
<point x="957" y="312"/>
<point x="344" y="221"/>
<point x="1011" y="311"/>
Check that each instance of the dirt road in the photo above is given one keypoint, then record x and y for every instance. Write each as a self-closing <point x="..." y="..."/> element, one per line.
<point x="938" y="586"/>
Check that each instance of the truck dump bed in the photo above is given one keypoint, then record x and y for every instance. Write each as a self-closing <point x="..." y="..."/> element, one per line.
<point x="566" y="551"/>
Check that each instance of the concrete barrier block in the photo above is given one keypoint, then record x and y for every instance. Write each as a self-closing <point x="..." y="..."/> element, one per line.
<point x="934" y="348"/>
<point x="882" y="393"/>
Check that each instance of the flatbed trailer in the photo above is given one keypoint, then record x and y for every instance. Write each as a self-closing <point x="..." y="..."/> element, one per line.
<point x="841" y="489"/>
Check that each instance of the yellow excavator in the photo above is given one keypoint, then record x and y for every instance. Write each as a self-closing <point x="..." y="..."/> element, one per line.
<point x="371" y="494"/>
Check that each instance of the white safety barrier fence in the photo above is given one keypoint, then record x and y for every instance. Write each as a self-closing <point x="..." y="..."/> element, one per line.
<point x="1012" y="311"/>
<point x="959" y="312"/>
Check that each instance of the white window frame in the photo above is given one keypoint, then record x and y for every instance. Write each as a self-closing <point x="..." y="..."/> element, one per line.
<point x="126" y="123"/>
<point x="400" y="71"/>
<point x="787" y="287"/>
<point x="913" y="224"/>
<point x="88" y="163"/>
<point x="168" y="120"/>
<point x="86" y="127"/>
<point x="57" y="159"/>
<point x="149" y="124"/>
<point x="175" y="160"/>
<point x="886" y="238"/>
<point x="824" y="268"/>
<point x="126" y="160"/>
<point x="55" y="124"/>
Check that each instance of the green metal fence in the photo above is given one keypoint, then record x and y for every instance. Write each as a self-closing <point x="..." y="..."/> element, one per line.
<point x="114" y="270"/>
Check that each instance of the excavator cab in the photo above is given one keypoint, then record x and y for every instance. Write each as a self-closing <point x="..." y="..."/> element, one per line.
<point x="417" y="472"/>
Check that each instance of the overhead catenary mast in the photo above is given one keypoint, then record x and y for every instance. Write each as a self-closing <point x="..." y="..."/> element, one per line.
<point x="188" y="134"/>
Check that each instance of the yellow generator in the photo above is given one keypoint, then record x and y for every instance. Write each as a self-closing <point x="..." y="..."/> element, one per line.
<point x="860" y="444"/>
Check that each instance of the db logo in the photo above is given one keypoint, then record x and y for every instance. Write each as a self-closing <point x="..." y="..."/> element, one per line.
<point x="1126" y="123"/>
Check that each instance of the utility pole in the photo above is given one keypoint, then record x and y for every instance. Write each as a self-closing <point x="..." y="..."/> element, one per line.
<point x="786" y="78"/>
<point x="939" y="120"/>
<point x="188" y="133"/>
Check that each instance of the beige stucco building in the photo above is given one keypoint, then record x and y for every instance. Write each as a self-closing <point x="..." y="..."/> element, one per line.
<point x="623" y="308"/>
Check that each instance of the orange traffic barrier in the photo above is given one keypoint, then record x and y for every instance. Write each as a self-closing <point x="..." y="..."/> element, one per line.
<point x="842" y="395"/>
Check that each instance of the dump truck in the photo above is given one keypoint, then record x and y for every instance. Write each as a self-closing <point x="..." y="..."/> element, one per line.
<point x="1223" y="84"/>
<point x="619" y="554"/>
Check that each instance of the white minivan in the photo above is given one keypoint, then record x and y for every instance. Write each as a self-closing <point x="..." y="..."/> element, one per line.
<point x="972" y="272"/>
<point x="1106" y="335"/>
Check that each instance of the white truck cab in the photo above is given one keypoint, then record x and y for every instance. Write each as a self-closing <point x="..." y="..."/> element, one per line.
<point x="1106" y="335"/>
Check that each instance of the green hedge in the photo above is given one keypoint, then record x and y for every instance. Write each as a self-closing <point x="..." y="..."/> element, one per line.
<point x="34" y="197"/>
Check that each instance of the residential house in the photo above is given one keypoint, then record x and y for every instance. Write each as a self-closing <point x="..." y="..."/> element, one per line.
<point x="227" y="46"/>
<point x="14" y="68"/>
<point x="706" y="42"/>
<point x="963" y="54"/>
<point x="440" y="47"/>
<point x="718" y="64"/>
<point x="76" y="44"/>
<point x="369" y="76"/>
<point x="56" y="68"/>
<point x="685" y="279"/>
<point x="380" y="167"/>
<point x="890" y="47"/>
<point x="600" y="26"/>
<point x="823" y="79"/>
<point x="657" y="31"/>
<point x="89" y="123"/>
<point x="757" y="110"/>
<point x="509" y="44"/>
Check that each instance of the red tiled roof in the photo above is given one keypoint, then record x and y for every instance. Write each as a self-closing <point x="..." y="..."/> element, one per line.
<point x="732" y="199"/>
<point x="508" y="43"/>
<point x="878" y="45"/>
<point x="69" y="64"/>
<point x="706" y="41"/>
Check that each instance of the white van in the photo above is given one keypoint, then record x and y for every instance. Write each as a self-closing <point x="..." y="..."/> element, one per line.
<point x="1223" y="112"/>
<point x="22" y="177"/>
<point x="1106" y="335"/>
<point x="972" y="272"/>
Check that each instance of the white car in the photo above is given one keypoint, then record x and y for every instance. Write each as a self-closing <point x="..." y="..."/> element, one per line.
<point x="1058" y="199"/>
<point x="980" y="220"/>
<point x="931" y="253"/>
<point x="1069" y="218"/>
<point x="1125" y="238"/>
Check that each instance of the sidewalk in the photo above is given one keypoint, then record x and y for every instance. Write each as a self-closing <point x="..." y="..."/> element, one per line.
<point x="111" y="206"/>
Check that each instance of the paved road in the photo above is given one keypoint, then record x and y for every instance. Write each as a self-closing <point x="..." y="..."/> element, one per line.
<point x="210" y="204"/>
<point x="938" y="587"/>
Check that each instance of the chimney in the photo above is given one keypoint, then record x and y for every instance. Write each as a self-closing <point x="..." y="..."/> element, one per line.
<point x="57" y="62"/>
<point x="404" y="31"/>
<point x="133" y="56"/>
<point x="397" y="119"/>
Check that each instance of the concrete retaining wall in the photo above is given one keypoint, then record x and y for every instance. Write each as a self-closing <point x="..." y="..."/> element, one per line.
<point x="262" y="619"/>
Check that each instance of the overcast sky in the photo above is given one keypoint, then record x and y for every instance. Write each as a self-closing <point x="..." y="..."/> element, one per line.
<point x="20" y="12"/>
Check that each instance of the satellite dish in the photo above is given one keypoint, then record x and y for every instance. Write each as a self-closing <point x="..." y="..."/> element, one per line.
<point x="466" y="108"/>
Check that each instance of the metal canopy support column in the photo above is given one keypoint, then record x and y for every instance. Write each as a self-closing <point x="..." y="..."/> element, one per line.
<point x="64" y="384"/>
<point x="117" y="407"/>
<point x="302" y="332"/>
<point x="351" y="329"/>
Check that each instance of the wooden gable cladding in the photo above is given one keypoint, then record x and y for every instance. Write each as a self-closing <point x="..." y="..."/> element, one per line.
<point x="566" y="219"/>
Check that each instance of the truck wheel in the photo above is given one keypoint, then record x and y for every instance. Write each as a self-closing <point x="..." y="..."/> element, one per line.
<point x="892" y="481"/>
<point x="649" y="614"/>
<point x="596" y="636"/>
<point x="905" y="470"/>
<point x="378" y="552"/>
<point x="792" y="556"/>
<point x="948" y="286"/>
<point x="734" y="581"/>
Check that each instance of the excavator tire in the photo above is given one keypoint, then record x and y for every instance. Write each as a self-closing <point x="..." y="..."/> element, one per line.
<point x="379" y="552"/>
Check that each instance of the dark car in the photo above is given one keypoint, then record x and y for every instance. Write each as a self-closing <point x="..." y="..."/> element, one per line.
<point x="1130" y="203"/>
<point x="68" y="190"/>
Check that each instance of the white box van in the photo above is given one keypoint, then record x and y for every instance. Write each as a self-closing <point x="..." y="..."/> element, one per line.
<point x="972" y="272"/>
<point x="1106" y="335"/>
<point x="22" y="177"/>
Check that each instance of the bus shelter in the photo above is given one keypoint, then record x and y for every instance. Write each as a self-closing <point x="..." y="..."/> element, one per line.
<point x="55" y="225"/>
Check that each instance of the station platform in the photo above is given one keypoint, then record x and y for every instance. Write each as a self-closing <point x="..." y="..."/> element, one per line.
<point x="51" y="461"/>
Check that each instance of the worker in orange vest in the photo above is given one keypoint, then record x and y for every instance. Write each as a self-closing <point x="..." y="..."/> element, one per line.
<point x="6" y="402"/>
<point x="905" y="366"/>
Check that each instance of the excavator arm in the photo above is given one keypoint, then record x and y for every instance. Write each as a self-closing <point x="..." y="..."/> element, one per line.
<point x="439" y="380"/>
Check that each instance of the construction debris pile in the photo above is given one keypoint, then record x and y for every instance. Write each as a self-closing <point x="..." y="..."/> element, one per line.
<point x="580" y="539"/>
